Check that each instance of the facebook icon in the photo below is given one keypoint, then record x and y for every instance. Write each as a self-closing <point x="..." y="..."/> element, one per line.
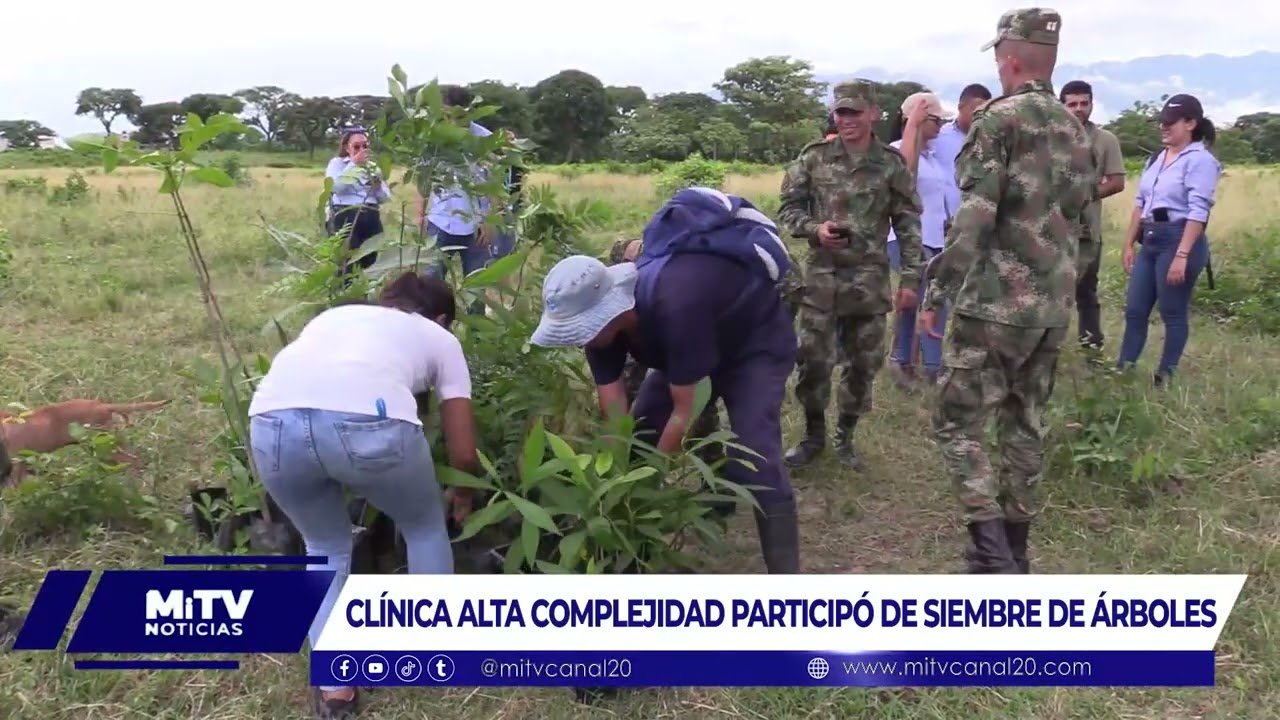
<point x="440" y="668"/>
<point x="343" y="668"/>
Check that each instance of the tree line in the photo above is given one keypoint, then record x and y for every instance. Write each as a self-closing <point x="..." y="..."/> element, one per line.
<point x="768" y="109"/>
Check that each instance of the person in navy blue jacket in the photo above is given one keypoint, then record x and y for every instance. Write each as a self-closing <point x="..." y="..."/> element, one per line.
<point x="699" y="310"/>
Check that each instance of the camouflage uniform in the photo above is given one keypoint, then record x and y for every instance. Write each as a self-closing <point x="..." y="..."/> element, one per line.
<point x="847" y="291"/>
<point x="1027" y="177"/>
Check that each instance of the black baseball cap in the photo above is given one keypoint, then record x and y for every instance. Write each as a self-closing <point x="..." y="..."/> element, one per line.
<point x="1181" y="107"/>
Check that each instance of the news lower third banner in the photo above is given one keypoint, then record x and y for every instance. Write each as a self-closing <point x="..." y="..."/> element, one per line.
<point x="767" y="630"/>
<point x="660" y="630"/>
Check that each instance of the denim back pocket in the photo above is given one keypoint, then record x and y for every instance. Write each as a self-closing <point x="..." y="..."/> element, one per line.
<point x="264" y="441"/>
<point x="373" y="446"/>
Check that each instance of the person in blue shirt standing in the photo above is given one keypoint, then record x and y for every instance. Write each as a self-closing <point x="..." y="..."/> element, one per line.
<point x="454" y="219"/>
<point x="951" y="136"/>
<point x="701" y="301"/>
<point x="1175" y="194"/>
<point x="358" y="190"/>
<point x="919" y="123"/>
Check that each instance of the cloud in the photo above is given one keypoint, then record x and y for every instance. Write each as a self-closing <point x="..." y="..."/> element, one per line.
<point x="339" y="47"/>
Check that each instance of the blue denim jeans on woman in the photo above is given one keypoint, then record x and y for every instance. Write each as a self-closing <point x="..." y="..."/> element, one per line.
<point x="905" y="330"/>
<point x="307" y="457"/>
<point x="1148" y="288"/>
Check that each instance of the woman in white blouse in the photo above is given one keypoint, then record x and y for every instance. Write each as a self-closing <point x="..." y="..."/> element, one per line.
<point x="919" y="121"/>
<point x="358" y="190"/>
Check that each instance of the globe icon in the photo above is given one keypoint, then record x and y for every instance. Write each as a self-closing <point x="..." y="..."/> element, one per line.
<point x="818" y="668"/>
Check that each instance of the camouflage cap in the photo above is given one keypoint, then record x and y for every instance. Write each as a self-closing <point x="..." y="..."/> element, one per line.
<point x="854" y="95"/>
<point x="1034" y="25"/>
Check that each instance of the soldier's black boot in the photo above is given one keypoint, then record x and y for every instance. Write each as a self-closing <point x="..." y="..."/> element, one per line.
<point x="815" y="432"/>
<point x="6" y="465"/>
<point x="991" y="549"/>
<point x="779" y="537"/>
<point x="845" y="426"/>
<point x="1017" y="535"/>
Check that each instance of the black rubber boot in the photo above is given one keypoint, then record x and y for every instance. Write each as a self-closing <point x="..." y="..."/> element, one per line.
<point x="779" y="538"/>
<point x="815" y="432"/>
<point x="844" y="442"/>
<point x="1017" y="535"/>
<point x="991" y="554"/>
<point x="334" y="709"/>
<point x="6" y="465"/>
<point x="593" y="695"/>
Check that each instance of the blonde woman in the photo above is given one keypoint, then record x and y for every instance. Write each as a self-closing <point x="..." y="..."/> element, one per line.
<point x="919" y="122"/>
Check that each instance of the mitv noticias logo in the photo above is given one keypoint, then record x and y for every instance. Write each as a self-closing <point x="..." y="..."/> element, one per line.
<point x="196" y="613"/>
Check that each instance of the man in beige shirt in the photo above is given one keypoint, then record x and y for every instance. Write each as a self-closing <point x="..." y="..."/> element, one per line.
<point x="1077" y="95"/>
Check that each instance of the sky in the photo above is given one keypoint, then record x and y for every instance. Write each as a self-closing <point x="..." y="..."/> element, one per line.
<point x="346" y="48"/>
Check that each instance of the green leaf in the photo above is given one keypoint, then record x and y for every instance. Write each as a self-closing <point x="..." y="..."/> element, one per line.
<point x="110" y="159"/>
<point x="534" y="513"/>
<point x="571" y="548"/>
<point x="88" y="147"/>
<point x="495" y="273"/>
<point x="566" y="454"/>
<point x="535" y="448"/>
<point x="550" y="568"/>
<point x="514" y="560"/>
<point x="213" y="176"/>
<point x="639" y="473"/>
<point x="398" y="73"/>
<point x="701" y="396"/>
<point x="453" y="477"/>
<point x="604" y="461"/>
<point x="529" y="537"/>
<point x="484" y="517"/>
<point x="170" y="183"/>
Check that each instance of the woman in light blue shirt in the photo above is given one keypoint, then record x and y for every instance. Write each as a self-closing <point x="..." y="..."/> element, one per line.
<point x="358" y="190"/>
<point x="1170" y="213"/>
<point x="919" y="122"/>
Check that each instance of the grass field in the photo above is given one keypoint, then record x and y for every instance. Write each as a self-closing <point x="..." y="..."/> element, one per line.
<point x="101" y="302"/>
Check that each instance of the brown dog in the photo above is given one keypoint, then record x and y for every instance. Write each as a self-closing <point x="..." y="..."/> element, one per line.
<point x="48" y="428"/>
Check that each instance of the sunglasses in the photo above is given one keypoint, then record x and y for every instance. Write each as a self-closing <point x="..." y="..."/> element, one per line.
<point x="359" y="146"/>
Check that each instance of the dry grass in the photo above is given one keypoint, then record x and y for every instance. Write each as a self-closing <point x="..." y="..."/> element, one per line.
<point x="102" y="304"/>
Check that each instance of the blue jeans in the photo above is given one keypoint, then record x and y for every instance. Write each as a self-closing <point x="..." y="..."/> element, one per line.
<point x="905" y="332"/>
<point x="504" y="242"/>
<point x="1149" y="288"/>
<point x="473" y="257"/>
<point x="307" y="457"/>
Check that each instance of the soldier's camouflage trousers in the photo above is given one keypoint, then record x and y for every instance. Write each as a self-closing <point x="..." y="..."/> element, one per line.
<point x="993" y="368"/>
<point x="857" y="341"/>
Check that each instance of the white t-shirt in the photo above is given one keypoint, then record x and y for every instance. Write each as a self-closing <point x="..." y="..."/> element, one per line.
<point x="348" y="357"/>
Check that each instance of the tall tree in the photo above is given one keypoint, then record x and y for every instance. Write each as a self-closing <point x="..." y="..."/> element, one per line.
<point x="776" y="89"/>
<point x="1265" y="140"/>
<point x="157" y="123"/>
<point x="514" y="112"/>
<point x="107" y="105"/>
<point x="362" y="110"/>
<point x="572" y="112"/>
<point x="206" y="105"/>
<point x="310" y="121"/>
<point x="23" y="133"/>
<point x="626" y="100"/>
<point x="889" y="97"/>
<point x="266" y="105"/>
<point x="1136" y="129"/>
